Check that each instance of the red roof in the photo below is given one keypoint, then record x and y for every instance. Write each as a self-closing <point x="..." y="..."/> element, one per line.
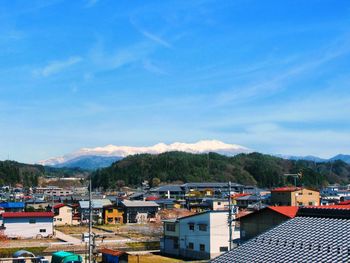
<point x="59" y="206"/>
<point x="286" y="189"/>
<point x="26" y="214"/>
<point x="344" y="203"/>
<point x="152" y="198"/>
<point x="112" y="252"/>
<point x="289" y="211"/>
<point x="238" y="195"/>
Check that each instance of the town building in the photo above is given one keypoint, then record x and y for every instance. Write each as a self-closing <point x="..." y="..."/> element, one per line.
<point x="12" y="206"/>
<point x="316" y="234"/>
<point x="217" y="204"/>
<point x="112" y="214"/>
<point x="295" y="196"/>
<point x="262" y="220"/>
<point x="139" y="211"/>
<point x="198" y="236"/>
<point x="64" y="215"/>
<point x="53" y="191"/>
<point x="169" y="191"/>
<point x="251" y="201"/>
<point x="97" y="210"/>
<point x="27" y="224"/>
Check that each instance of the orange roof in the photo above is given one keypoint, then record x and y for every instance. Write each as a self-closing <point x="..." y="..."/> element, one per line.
<point x="289" y="211"/>
<point x="286" y="189"/>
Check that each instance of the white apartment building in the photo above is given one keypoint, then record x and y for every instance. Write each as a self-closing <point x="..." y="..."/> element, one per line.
<point x="199" y="236"/>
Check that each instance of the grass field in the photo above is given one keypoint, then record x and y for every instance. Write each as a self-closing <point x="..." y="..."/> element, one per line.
<point x="151" y="259"/>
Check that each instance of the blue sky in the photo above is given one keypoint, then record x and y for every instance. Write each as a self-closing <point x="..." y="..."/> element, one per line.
<point x="269" y="75"/>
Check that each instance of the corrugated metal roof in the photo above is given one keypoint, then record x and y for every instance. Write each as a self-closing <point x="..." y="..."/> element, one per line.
<point x="129" y="203"/>
<point x="95" y="203"/>
<point x="10" y="205"/>
<point x="301" y="239"/>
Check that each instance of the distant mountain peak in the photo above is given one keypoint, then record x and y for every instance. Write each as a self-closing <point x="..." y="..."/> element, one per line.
<point x="111" y="150"/>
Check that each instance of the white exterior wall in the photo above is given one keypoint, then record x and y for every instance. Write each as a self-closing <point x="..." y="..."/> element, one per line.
<point x="220" y="205"/>
<point x="196" y="237"/>
<point x="216" y="236"/>
<point x="219" y="233"/>
<point x="20" y="227"/>
<point x="64" y="217"/>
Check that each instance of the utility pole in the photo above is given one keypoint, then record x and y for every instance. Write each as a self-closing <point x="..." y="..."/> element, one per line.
<point x="90" y="220"/>
<point x="230" y="214"/>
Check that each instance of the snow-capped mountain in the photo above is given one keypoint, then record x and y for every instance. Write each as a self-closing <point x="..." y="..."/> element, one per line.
<point x="203" y="146"/>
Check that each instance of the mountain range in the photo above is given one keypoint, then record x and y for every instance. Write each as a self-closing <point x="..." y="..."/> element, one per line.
<point x="93" y="158"/>
<point x="100" y="157"/>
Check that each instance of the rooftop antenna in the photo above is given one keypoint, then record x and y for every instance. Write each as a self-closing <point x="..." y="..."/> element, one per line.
<point x="295" y="176"/>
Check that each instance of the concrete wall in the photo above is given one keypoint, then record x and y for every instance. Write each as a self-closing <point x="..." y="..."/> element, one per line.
<point x="20" y="227"/>
<point x="219" y="233"/>
<point x="216" y="235"/>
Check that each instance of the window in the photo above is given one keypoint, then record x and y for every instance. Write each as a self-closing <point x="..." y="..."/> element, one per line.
<point x="201" y="247"/>
<point x="170" y="227"/>
<point x="32" y="221"/>
<point x="110" y="210"/>
<point x="223" y="249"/>
<point x="110" y="220"/>
<point x="310" y="193"/>
<point x="219" y="203"/>
<point x="190" y="245"/>
<point x="43" y="230"/>
<point x="202" y="227"/>
<point x="191" y="226"/>
<point x="311" y="203"/>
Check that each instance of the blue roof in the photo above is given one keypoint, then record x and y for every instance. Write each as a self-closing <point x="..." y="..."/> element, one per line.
<point x="10" y="205"/>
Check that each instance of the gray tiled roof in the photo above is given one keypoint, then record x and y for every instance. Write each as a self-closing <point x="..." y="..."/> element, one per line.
<point x="302" y="239"/>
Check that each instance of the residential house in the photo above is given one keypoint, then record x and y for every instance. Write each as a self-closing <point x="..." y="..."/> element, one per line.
<point x="139" y="211"/>
<point x="169" y="191"/>
<point x="315" y="235"/>
<point x="217" y="204"/>
<point x="295" y="196"/>
<point x="63" y="215"/>
<point x="260" y="221"/>
<point x="27" y="224"/>
<point x="167" y="203"/>
<point x="97" y="210"/>
<point x="12" y="206"/>
<point x="198" y="236"/>
<point x="112" y="214"/>
<point x="251" y="201"/>
<point x="53" y="191"/>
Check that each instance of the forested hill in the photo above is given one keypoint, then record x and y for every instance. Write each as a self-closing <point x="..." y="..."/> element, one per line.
<point x="12" y="172"/>
<point x="251" y="169"/>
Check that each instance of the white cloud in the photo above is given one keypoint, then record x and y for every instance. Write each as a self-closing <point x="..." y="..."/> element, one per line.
<point x="156" y="39"/>
<point x="55" y="67"/>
